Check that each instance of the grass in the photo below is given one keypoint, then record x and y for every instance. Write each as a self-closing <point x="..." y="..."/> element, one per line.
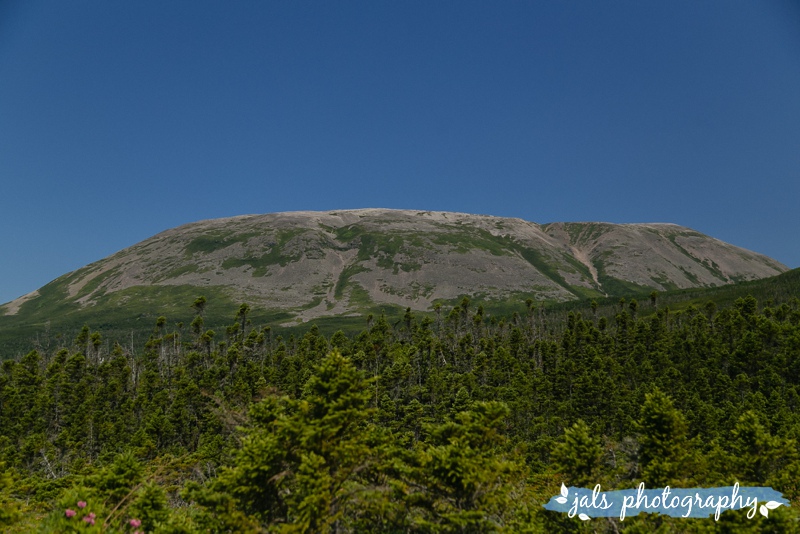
<point x="384" y="247"/>
<point x="209" y="242"/>
<point x="277" y="254"/>
<point x="344" y="277"/>
<point x="617" y="287"/>
<point x="189" y="268"/>
<point x="581" y="232"/>
<point x="213" y="240"/>
<point x="360" y="297"/>
<point x="472" y="239"/>
<point x="134" y="308"/>
<point x="536" y="259"/>
<point x="95" y="282"/>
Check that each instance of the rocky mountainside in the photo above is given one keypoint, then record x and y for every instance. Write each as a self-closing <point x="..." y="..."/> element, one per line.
<point x="313" y="264"/>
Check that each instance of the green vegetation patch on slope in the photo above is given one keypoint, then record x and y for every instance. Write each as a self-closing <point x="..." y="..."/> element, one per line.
<point x="467" y="238"/>
<point x="615" y="286"/>
<point x="95" y="282"/>
<point x="664" y="282"/>
<point x="119" y="312"/>
<point x="213" y="240"/>
<point x="53" y="301"/>
<point x="471" y="238"/>
<point x="277" y="254"/>
<point x="384" y="246"/>
<point x="208" y="243"/>
<point x="359" y="296"/>
<point x="673" y="238"/>
<point x="501" y="245"/>
<point x="776" y="289"/>
<point x="344" y="277"/>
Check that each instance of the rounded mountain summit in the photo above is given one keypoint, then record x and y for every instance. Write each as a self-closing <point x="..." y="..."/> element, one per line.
<point x="312" y="264"/>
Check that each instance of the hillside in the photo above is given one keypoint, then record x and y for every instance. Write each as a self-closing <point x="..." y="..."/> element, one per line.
<point x="306" y="265"/>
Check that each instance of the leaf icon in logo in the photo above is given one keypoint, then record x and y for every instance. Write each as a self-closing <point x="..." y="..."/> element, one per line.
<point x="584" y="517"/>
<point x="764" y="511"/>
<point x="771" y="505"/>
<point x="564" y="494"/>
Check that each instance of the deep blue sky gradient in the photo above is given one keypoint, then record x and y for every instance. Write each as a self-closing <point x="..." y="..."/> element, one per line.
<point x="122" y="119"/>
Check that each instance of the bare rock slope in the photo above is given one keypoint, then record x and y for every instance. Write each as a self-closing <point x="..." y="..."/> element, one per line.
<point x="312" y="264"/>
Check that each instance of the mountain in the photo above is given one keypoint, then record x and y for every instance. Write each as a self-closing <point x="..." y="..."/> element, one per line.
<point x="305" y="265"/>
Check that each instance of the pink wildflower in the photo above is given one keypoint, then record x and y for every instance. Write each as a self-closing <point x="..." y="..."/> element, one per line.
<point x="135" y="523"/>
<point x="89" y="520"/>
<point x="70" y="513"/>
<point x="81" y="504"/>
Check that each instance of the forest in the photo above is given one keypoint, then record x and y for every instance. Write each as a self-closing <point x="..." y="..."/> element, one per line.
<point x="453" y="421"/>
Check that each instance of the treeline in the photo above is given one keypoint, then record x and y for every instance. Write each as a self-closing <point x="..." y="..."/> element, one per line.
<point x="456" y="422"/>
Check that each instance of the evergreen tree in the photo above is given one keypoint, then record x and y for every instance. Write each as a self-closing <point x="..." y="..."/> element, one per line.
<point x="664" y="448"/>
<point x="579" y="457"/>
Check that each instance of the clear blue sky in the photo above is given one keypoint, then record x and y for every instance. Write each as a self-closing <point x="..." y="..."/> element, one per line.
<point x="122" y="119"/>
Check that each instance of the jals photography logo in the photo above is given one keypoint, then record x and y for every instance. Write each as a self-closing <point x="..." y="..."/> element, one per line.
<point x="675" y="502"/>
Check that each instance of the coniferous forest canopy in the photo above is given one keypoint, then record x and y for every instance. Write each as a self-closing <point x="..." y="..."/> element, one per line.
<point x="453" y="421"/>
